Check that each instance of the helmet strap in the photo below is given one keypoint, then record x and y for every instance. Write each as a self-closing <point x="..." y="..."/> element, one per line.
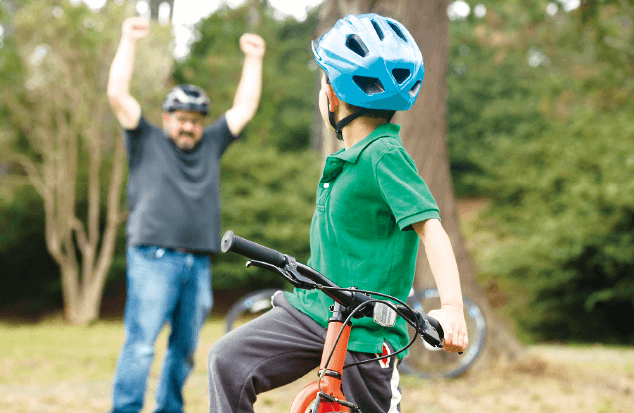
<point x="338" y="126"/>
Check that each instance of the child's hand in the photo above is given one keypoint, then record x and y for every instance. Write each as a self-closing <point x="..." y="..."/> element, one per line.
<point x="252" y="45"/>
<point x="452" y="321"/>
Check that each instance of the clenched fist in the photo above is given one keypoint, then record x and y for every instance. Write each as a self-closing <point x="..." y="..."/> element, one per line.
<point x="252" y="45"/>
<point x="135" y="28"/>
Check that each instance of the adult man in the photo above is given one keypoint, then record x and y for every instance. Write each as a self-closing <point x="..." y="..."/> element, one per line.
<point x="173" y="225"/>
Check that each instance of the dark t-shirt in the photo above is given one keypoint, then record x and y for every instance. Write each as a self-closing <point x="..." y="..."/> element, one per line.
<point x="174" y="196"/>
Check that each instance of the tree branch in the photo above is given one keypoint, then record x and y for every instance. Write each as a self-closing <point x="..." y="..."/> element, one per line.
<point x="33" y="174"/>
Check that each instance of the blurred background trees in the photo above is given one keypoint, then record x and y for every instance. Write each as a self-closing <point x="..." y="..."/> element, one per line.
<point x="61" y="131"/>
<point x="539" y="100"/>
<point x="259" y="198"/>
<point x="539" y="128"/>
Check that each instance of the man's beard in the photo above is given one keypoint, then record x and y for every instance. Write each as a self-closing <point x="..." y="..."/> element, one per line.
<point x="189" y="146"/>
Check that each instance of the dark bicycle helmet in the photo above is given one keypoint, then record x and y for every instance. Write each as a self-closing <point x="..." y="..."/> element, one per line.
<point x="186" y="97"/>
<point x="372" y="62"/>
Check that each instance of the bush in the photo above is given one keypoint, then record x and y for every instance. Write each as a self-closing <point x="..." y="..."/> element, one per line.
<point x="566" y="200"/>
<point x="269" y="198"/>
<point x="27" y="269"/>
<point x="285" y="115"/>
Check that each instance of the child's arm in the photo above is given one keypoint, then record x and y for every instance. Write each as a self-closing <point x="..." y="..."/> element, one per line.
<point x="445" y="270"/>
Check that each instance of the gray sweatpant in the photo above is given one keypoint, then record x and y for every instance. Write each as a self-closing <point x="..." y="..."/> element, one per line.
<point x="282" y="346"/>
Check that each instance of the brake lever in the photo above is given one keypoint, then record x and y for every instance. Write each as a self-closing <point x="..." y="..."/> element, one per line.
<point x="431" y="333"/>
<point x="428" y="332"/>
<point x="289" y="273"/>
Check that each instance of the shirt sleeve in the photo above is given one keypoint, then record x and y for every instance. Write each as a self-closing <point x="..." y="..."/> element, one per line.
<point x="404" y="190"/>
<point x="133" y="139"/>
<point x="220" y="133"/>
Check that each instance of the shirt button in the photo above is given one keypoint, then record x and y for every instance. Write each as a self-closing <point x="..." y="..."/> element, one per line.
<point x="327" y="184"/>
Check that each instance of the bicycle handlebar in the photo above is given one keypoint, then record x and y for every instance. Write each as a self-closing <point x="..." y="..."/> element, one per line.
<point x="231" y="242"/>
<point x="250" y="249"/>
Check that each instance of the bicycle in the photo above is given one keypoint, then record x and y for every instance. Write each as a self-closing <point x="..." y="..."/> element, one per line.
<point x="419" y="362"/>
<point x="324" y="394"/>
<point x="248" y="307"/>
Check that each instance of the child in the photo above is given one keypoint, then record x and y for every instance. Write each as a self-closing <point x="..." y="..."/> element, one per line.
<point x="372" y="206"/>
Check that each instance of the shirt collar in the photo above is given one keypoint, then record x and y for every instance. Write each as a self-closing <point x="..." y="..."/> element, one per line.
<point x="352" y="154"/>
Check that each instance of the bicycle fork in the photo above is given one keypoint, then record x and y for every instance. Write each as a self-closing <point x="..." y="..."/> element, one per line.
<point x="325" y="395"/>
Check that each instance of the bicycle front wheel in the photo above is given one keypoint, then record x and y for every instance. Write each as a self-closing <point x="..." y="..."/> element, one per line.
<point x="423" y="361"/>
<point x="249" y="307"/>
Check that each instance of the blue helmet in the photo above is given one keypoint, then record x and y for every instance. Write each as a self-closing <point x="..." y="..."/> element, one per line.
<point x="372" y="62"/>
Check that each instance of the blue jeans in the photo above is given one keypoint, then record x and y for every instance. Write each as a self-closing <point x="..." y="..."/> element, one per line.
<point x="164" y="285"/>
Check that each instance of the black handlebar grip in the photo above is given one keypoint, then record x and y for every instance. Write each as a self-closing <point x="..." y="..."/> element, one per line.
<point x="231" y="242"/>
<point x="434" y="323"/>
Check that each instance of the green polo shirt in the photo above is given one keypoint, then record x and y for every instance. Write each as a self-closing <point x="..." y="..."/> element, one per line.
<point x="361" y="234"/>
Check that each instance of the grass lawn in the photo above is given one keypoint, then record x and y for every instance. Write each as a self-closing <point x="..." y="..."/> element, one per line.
<point x="53" y="367"/>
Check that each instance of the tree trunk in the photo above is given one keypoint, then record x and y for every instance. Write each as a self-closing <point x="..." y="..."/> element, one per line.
<point x="8" y="7"/>
<point x="424" y="136"/>
<point x="154" y="7"/>
<point x="254" y="18"/>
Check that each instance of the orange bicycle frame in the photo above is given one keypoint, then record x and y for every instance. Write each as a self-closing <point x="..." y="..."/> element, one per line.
<point x="330" y="375"/>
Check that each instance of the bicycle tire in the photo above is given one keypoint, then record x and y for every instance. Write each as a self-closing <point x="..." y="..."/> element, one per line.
<point x="249" y="307"/>
<point x="423" y="363"/>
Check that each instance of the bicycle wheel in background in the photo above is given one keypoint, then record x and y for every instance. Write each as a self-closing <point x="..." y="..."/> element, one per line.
<point x="426" y="362"/>
<point x="249" y="307"/>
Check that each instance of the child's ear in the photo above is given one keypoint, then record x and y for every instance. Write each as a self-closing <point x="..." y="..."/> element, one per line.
<point x="333" y="100"/>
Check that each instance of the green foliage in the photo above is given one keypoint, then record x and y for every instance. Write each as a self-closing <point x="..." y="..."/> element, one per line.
<point x="609" y="26"/>
<point x="517" y="72"/>
<point x="27" y="269"/>
<point x="53" y="70"/>
<point x="268" y="181"/>
<point x="485" y="107"/>
<point x="570" y="219"/>
<point x="31" y="278"/>
<point x="267" y="197"/>
<point x="285" y="115"/>
<point x="56" y="46"/>
<point x="539" y="122"/>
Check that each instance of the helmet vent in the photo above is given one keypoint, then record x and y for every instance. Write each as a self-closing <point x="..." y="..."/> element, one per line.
<point x="400" y="75"/>
<point x="398" y="31"/>
<point x="378" y="30"/>
<point x="354" y="43"/>
<point x="370" y="85"/>
<point x="414" y="90"/>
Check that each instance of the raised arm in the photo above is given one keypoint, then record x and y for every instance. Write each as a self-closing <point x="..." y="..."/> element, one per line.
<point x="247" y="97"/>
<point x="442" y="262"/>
<point x="126" y="109"/>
